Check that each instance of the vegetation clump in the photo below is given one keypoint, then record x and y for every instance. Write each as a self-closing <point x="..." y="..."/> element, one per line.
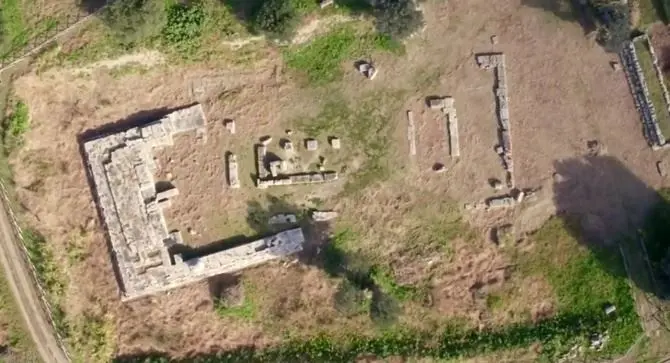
<point x="397" y="18"/>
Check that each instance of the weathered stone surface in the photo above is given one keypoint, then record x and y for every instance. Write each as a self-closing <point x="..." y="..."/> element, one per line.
<point x="322" y="216"/>
<point x="662" y="167"/>
<point x="283" y="219"/>
<point x="230" y="125"/>
<point x="500" y="202"/>
<point x="120" y="165"/>
<point x="233" y="175"/>
<point x="411" y="133"/>
<point x="311" y="144"/>
<point x="335" y="143"/>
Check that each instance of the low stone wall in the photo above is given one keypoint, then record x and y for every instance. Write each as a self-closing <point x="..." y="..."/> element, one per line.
<point x="640" y="92"/>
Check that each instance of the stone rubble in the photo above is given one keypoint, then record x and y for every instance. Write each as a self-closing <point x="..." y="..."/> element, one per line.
<point x="367" y="70"/>
<point x="121" y="166"/>
<point x="638" y="87"/>
<point x="496" y="61"/>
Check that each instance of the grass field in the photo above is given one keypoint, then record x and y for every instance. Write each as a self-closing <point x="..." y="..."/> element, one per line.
<point x="654" y="86"/>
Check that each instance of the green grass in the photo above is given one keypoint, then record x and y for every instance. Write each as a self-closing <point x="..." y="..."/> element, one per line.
<point x="321" y="60"/>
<point x="11" y="322"/>
<point x="584" y="280"/>
<point x="13" y="32"/>
<point x="365" y="127"/>
<point x="246" y="310"/>
<point x="654" y="86"/>
<point x="650" y="12"/>
<point x="17" y="123"/>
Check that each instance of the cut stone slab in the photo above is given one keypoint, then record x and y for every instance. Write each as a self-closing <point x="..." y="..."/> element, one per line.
<point x="311" y="144"/>
<point x="230" y="125"/>
<point x="322" y="216"/>
<point x="233" y="176"/>
<point x="335" y="143"/>
<point x="283" y="219"/>
<point x="662" y="167"/>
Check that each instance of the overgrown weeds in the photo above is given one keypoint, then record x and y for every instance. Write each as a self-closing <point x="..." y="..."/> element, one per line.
<point x="14" y="126"/>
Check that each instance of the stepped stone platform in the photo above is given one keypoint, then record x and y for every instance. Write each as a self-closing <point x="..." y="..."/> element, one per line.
<point x="121" y="166"/>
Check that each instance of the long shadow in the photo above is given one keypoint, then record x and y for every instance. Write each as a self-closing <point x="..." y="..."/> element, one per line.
<point x="605" y="205"/>
<point x="568" y="10"/>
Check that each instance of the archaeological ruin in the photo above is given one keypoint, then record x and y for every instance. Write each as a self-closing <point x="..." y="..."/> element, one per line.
<point x="496" y="61"/>
<point x="121" y="167"/>
<point x="638" y="87"/>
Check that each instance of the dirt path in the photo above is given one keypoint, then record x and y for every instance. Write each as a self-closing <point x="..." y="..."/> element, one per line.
<point x="23" y="287"/>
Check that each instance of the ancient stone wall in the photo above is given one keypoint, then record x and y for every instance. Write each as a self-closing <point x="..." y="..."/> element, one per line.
<point x="122" y="167"/>
<point x="640" y="92"/>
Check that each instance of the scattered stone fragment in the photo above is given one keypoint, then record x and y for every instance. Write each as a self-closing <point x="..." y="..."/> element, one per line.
<point x="499" y="150"/>
<point x="439" y="168"/>
<point x="335" y="143"/>
<point x="325" y="3"/>
<point x="610" y="309"/>
<point x="494" y="39"/>
<point x="311" y="144"/>
<point x="322" y="216"/>
<point x="322" y="168"/>
<point x="191" y="231"/>
<point x="558" y="178"/>
<point x="266" y="140"/>
<point x="277" y="166"/>
<point x="169" y="176"/>
<point x="286" y="145"/>
<point x="594" y="147"/>
<point x="230" y="125"/>
<point x="283" y="219"/>
<point x="367" y="70"/>
<point x="616" y="66"/>
<point x="289" y="132"/>
<point x="662" y="167"/>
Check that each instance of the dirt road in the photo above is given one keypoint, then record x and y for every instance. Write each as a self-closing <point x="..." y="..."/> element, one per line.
<point x="23" y="287"/>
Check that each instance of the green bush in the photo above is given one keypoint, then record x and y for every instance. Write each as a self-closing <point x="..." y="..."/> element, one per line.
<point x="350" y="300"/>
<point x="277" y="18"/>
<point x="614" y="29"/>
<point x="18" y="122"/>
<point x="397" y="18"/>
<point x="135" y="21"/>
<point x="184" y="25"/>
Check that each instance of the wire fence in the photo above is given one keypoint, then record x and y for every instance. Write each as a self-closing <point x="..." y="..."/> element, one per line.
<point x="42" y="38"/>
<point x="18" y="232"/>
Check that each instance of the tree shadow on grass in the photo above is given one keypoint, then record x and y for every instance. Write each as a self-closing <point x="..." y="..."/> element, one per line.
<point x="604" y="205"/>
<point x="568" y="10"/>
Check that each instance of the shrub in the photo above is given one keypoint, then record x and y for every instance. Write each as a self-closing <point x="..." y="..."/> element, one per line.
<point x="350" y="300"/>
<point x="15" y="125"/>
<point x="397" y="18"/>
<point x="278" y="18"/>
<point x="133" y="21"/>
<point x="184" y="25"/>
<point x="614" y="29"/>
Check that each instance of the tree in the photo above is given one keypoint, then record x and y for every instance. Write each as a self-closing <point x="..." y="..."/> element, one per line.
<point x="132" y="21"/>
<point x="614" y="29"/>
<point x="277" y="17"/>
<point x="397" y="18"/>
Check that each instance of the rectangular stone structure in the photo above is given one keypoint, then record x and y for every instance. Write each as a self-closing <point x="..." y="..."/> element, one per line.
<point x="231" y="166"/>
<point x="121" y="167"/>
